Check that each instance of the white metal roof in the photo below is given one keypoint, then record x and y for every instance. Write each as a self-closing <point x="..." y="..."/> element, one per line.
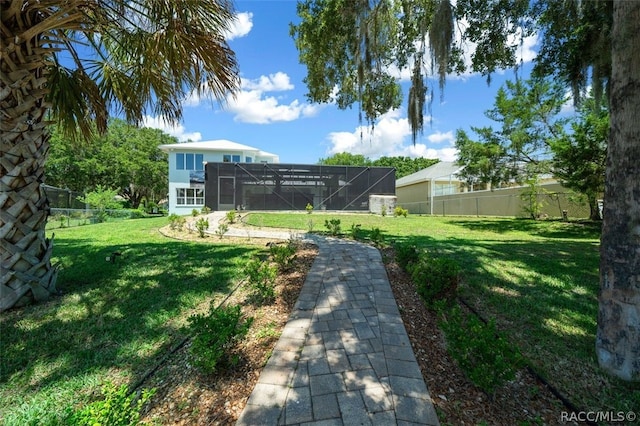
<point x="439" y="171"/>
<point x="214" y="145"/>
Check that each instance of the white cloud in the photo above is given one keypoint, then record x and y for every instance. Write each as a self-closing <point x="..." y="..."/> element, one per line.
<point x="241" y="26"/>
<point x="174" y="130"/>
<point x="391" y="138"/>
<point x="252" y="105"/>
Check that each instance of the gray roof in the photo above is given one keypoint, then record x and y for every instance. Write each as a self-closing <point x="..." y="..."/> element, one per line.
<point x="443" y="170"/>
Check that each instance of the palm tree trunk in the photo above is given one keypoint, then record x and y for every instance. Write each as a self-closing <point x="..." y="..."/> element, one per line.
<point x="26" y="273"/>
<point x="618" y="335"/>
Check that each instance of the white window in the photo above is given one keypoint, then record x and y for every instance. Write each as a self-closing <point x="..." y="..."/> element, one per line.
<point x="228" y="158"/>
<point x="190" y="196"/>
<point x="186" y="161"/>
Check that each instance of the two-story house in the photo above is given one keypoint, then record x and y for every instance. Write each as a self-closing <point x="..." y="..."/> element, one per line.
<point x="187" y="165"/>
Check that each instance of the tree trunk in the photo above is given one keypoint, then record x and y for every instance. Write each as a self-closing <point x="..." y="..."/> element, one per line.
<point x="26" y="273"/>
<point x="618" y="335"/>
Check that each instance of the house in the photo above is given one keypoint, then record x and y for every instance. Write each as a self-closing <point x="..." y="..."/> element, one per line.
<point x="187" y="168"/>
<point x="415" y="192"/>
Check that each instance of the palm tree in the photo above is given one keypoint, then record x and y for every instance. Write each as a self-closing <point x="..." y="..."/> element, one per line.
<point x="75" y="62"/>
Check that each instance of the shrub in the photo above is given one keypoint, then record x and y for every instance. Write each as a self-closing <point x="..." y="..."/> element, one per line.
<point x="485" y="355"/>
<point x="376" y="236"/>
<point x="399" y="211"/>
<point x="333" y="225"/>
<point x="194" y="212"/>
<point x="202" y="225"/>
<point x="214" y="336"/>
<point x="205" y="210"/>
<point x="309" y="208"/>
<point x="283" y="255"/>
<point x="176" y="222"/>
<point x="116" y="409"/>
<point x="355" y="231"/>
<point x="231" y="216"/>
<point x="137" y="214"/>
<point x="383" y="210"/>
<point x="435" y="278"/>
<point x="310" y="225"/>
<point x="223" y="228"/>
<point x="406" y="254"/>
<point x="262" y="279"/>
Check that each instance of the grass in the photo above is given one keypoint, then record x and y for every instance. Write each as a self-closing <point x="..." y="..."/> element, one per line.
<point x="112" y="321"/>
<point x="538" y="279"/>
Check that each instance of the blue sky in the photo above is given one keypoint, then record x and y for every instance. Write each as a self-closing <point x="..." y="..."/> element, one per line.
<point x="271" y="111"/>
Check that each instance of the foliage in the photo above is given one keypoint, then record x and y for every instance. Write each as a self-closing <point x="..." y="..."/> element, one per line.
<point x="333" y="226"/>
<point x="399" y="211"/>
<point x="310" y="225"/>
<point x="205" y="210"/>
<point x="176" y="222"/>
<point x="202" y="225"/>
<point x="531" y="197"/>
<point x="435" y="278"/>
<point x="118" y="408"/>
<point x="102" y="199"/>
<point x="222" y="229"/>
<point x="261" y="279"/>
<point x="406" y="254"/>
<point x="309" y="208"/>
<point x="355" y="231"/>
<point x="383" y="210"/>
<point x="127" y="158"/>
<point x="376" y="236"/>
<point x="195" y="212"/>
<point x="215" y="334"/>
<point x="283" y="254"/>
<point x="231" y="216"/>
<point x="345" y="159"/>
<point x="404" y="165"/>
<point x="579" y="158"/>
<point x="486" y="356"/>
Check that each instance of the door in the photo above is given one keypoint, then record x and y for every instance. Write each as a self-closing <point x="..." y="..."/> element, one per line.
<point x="226" y="193"/>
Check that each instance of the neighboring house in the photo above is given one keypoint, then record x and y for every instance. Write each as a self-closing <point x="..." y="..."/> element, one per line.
<point x="436" y="180"/>
<point x="187" y="164"/>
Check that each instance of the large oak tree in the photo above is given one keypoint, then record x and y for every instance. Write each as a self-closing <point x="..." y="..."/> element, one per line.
<point x="75" y="62"/>
<point x="351" y="47"/>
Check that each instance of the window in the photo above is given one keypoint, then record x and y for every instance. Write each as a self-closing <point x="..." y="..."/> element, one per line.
<point x="228" y="158"/>
<point x="248" y="160"/>
<point x="190" y="196"/>
<point x="189" y="161"/>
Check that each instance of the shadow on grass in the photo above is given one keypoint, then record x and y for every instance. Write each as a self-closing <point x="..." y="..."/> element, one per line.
<point x="118" y="316"/>
<point x="544" y="228"/>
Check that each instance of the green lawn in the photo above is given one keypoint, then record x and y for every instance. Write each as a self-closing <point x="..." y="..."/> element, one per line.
<point x="538" y="279"/>
<point x="113" y="321"/>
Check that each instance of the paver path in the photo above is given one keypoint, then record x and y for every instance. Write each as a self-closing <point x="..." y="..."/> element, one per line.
<point x="344" y="357"/>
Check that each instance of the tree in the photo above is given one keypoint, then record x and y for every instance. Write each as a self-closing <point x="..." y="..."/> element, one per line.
<point x="484" y="161"/>
<point x="579" y="156"/>
<point x="405" y="165"/>
<point x="345" y="159"/>
<point x="74" y="62"/>
<point x="126" y="158"/>
<point x="581" y="42"/>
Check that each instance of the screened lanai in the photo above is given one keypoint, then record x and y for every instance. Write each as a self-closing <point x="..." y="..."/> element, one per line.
<point x="277" y="186"/>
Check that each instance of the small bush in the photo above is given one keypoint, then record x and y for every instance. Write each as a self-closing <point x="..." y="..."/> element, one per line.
<point x="116" y="409"/>
<point x="283" y="255"/>
<point x="399" y="211"/>
<point x="333" y="225"/>
<point x="376" y="236"/>
<point x="485" y="355"/>
<point x="137" y="214"/>
<point x="202" y="225"/>
<point x="231" y="216"/>
<point x="406" y="254"/>
<point x="195" y="212"/>
<point x="214" y="336"/>
<point x="262" y="279"/>
<point x="176" y="222"/>
<point x="435" y="278"/>
<point x="356" y="231"/>
<point x="383" y="210"/>
<point x="205" y="210"/>
<point x="223" y="228"/>
<point x="309" y="208"/>
<point x="310" y="225"/>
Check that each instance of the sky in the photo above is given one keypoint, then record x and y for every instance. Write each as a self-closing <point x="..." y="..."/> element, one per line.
<point x="271" y="111"/>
